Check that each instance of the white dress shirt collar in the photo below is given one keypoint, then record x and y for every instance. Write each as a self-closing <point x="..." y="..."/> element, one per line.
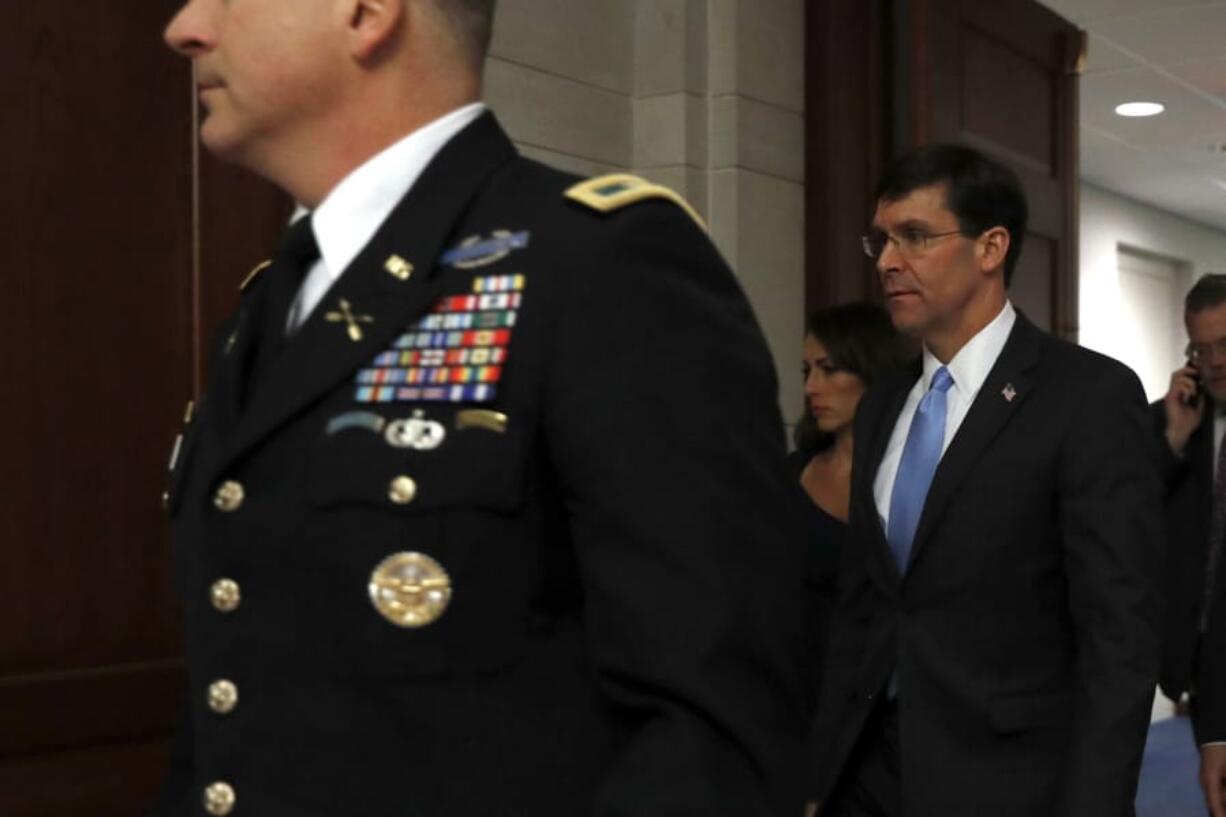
<point x="969" y="368"/>
<point x="972" y="363"/>
<point x="356" y="208"/>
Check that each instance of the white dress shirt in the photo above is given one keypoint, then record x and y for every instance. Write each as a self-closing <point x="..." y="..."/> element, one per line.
<point x="352" y="213"/>
<point x="1219" y="431"/>
<point x="969" y="368"/>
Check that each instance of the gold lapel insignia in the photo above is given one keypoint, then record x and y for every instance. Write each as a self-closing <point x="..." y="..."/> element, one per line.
<point x="353" y="322"/>
<point x="397" y="267"/>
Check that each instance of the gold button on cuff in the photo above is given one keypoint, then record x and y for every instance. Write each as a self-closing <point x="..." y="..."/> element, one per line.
<point x="219" y="799"/>
<point x="225" y="595"/>
<point x="229" y="497"/>
<point x="402" y="490"/>
<point x="223" y="696"/>
<point x="410" y="589"/>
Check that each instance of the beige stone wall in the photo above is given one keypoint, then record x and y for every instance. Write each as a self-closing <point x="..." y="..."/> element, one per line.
<point x="705" y="96"/>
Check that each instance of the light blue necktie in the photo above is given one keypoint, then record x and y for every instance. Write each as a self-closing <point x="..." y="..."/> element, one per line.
<point x="920" y="456"/>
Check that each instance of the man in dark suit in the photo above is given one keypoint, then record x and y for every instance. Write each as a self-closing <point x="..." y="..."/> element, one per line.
<point x="1189" y="425"/>
<point x="995" y="646"/>
<point x="484" y="511"/>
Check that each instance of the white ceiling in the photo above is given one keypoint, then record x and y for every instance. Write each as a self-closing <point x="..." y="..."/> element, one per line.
<point x="1168" y="51"/>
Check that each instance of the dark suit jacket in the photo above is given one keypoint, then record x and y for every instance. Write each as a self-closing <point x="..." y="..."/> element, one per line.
<point x="627" y="618"/>
<point x="1187" y="503"/>
<point x="1209" y="705"/>
<point x="1025" y="633"/>
<point x="1190" y="660"/>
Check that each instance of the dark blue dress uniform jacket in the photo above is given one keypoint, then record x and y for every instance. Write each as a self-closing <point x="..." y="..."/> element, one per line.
<point x="626" y="625"/>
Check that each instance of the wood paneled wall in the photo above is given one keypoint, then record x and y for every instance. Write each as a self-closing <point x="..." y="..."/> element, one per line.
<point x="122" y="248"/>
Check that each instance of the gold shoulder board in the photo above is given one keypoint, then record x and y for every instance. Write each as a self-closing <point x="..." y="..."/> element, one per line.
<point x="617" y="190"/>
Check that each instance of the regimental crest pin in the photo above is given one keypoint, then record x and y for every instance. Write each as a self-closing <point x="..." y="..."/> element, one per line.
<point x="1009" y="392"/>
<point x="398" y="268"/>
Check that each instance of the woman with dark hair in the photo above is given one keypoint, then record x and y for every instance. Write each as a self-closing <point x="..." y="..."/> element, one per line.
<point x="846" y="349"/>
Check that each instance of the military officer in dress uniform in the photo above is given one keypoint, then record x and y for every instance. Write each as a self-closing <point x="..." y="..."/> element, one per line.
<point x="483" y="512"/>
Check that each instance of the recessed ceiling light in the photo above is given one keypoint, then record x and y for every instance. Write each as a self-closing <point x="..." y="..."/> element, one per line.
<point x="1140" y="109"/>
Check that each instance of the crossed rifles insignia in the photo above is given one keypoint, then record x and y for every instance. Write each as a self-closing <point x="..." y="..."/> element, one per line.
<point x="352" y="321"/>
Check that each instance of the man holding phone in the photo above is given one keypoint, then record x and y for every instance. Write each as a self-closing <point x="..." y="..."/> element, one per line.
<point x="1191" y="420"/>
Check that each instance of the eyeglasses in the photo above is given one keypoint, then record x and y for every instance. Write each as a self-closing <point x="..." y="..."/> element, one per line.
<point x="1200" y="352"/>
<point x="910" y="242"/>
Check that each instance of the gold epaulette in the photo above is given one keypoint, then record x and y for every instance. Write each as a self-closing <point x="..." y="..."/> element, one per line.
<point x="255" y="273"/>
<point x="618" y="190"/>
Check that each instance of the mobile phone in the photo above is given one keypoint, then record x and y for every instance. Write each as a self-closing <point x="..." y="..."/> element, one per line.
<point x="1193" y="399"/>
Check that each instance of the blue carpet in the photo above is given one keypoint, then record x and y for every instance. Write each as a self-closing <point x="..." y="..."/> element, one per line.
<point x="1168" y="772"/>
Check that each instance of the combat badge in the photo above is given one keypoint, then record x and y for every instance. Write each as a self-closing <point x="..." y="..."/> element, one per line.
<point x="415" y="432"/>
<point x="474" y="252"/>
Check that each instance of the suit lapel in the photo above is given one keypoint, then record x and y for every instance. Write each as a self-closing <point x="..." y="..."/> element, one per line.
<point x="1200" y="447"/>
<point x="323" y="353"/>
<point x="1003" y="392"/>
<point x="877" y="431"/>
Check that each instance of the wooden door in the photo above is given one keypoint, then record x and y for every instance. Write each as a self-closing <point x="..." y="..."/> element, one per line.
<point x="121" y="249"/>
<point x="1001" y="76"/>
<point x="848" y="103"/>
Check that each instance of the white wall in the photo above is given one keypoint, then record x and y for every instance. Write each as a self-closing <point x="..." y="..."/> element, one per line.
<point x="1109" y="220"/>
<point x="704" y="96"/>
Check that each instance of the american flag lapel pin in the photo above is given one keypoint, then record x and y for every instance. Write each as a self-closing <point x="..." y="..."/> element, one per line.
<point x="1009" y="392"/>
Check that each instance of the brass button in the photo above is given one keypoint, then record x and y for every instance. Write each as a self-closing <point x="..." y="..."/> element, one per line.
<point x="223" y="696"/>
<point x="229" y="497"/>
<point x="402" y="490"/>
<point x="410" y="589"/>
<point x="219" y="799"/>
<point x="225" y="595"/>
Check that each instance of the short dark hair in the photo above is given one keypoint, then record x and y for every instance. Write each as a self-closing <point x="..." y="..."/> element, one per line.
<point x="860" y="338"/>
<point x="981" y="192"/>
<point x="473" y="23"/>
<point x="1208" y="291"/>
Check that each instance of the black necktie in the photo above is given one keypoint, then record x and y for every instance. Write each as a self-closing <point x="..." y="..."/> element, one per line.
<point x="295" y="254"/>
